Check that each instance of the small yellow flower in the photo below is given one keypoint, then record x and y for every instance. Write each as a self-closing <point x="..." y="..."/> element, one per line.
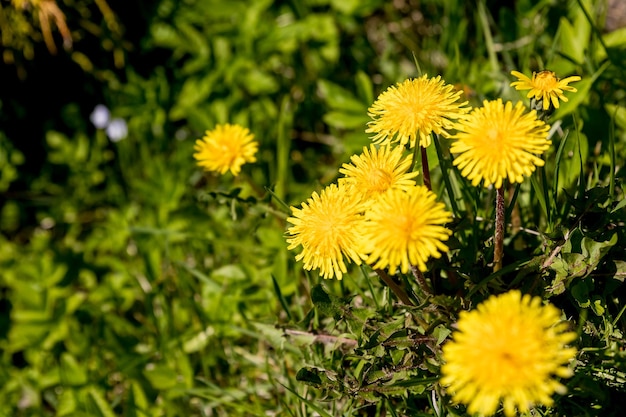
<point x="404" y="228"/>
<point x="377" y="170"/>
<point x="498" y="141"/>
<point x="545" y="86"/>
<point x="227" y="147"/>
<point x="509" y="349"/>
<point x="327" y="227"/>
<point x="413" y="109"/>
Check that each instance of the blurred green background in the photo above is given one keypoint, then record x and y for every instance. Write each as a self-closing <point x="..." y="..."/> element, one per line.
<point x="133" y="284"/>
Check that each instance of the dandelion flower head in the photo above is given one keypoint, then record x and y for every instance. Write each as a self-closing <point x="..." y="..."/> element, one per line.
<point x="227" y="147"/>
<point x="545" y="86"/>
<point x="327" y="228"/>
<point x="497" y="142"/>
<point x="377" y="170"/>
<point x="410" y="111"/>
<point x="405" y="227"/>
<point x="509" y="349"/>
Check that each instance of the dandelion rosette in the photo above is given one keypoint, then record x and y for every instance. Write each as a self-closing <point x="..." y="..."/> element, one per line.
<point x="497" y="142"/>
<point x="545" y="86"/>
<point x="509" y="349"/>
<point x="410" y="111"/>
<point x="227" y="147"/>
<point x="327" y="227"/>
<point x="377" y="170"/>
<point x="404" y="228"/>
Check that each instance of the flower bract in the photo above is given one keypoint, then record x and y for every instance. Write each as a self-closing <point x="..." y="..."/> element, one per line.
<point x="377" y="170"/>
<point x="405" y="227"/>
<point x="545" y="86"/>
<point x="410" y="111"/>
<point x="510" y="349"/>
<point x="327" y="227"/>
<point x="497" y="142"/>
<point x="227" y="147"/>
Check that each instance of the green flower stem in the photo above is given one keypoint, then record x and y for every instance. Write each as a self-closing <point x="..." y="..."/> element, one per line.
<point x="498" y="249"/>
<point x="397" y="290"/>
<point x="425" y="169"/>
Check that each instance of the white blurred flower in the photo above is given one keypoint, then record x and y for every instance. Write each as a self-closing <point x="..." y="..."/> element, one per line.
<point x="100" y="116"/>
<point x="117" y="129"/>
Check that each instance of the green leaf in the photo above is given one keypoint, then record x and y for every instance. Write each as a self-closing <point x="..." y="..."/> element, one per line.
<point x="574" y="41"/>
<point x="574" y="151"/>
<point x="67" y="403"/>
<point x="374" y="340"/>
<point x="309" y="376"/>
<point x="71" y="372"/>
<point x="398" y="339"/>
<point x="597" y="306"/>
<point x="596" y="250"/>
<point x="229" y="273"/>
<point x="313" y="406"/>
<point x="209" y="282"/>
<point x="340" y="99"/>
<point x="364" y="87"/>
<point x="199" y="340"/>
<point x="376" y="375"/>
<point x="323" y="301"/>
<point x="580" y="255"/>
<point x="620" y="270"/>
<point x="615" y="42"/>
<point x="259" y="82"/>
<point x="580" y="291"/>
<point x="343" y="120"/>
<point x="137" y="401"/>
<point x="575" y="99"/>
<point x="161" y="377"/>
<point x="276" y="338"/>
<point x="576" y="264"/>
<point x="281" y="299"/>
<point x="617" y="113"/>
<point x="98" y="403"/>
<point x="441" y="333"/>
<point x="419" y="383"/>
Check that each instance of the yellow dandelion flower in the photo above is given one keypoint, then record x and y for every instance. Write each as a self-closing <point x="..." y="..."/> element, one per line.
<point x="509" y="349"/>
<point x="498" y="141"/>
<point x="404" y="228"/>
<point x="227" y="147"/>
<point x="327" y="228"/>
<point x="545" y="86"/>
<point x="377" y="170"/>
<point x="413" y="109"/>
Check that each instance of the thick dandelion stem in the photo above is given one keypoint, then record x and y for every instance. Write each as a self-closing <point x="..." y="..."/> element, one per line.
<point x="421" y="280"/>
<point x="397" y="290"/>
<point x="425" y="169"/>
<point x="498" y="247"/>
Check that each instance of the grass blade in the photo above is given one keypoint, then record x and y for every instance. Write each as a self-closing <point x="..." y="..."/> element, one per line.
<point x="281" y="298"/>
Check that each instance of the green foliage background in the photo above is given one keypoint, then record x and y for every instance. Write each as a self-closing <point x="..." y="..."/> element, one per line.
<point x="133" y="284"/>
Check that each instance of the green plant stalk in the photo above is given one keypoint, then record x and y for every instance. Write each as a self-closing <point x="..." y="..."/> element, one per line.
<point x="366" y="275"/>
<point x="445" y="168"/>
<point x="557" y="165"/>
<point x="425" y="169"/>
<point x="546" y="195"/>
<point x="282" y="149"/>
<point x="498" y="247"/>
<point x="484" y="20"/>
<point x="612" y="156"/>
